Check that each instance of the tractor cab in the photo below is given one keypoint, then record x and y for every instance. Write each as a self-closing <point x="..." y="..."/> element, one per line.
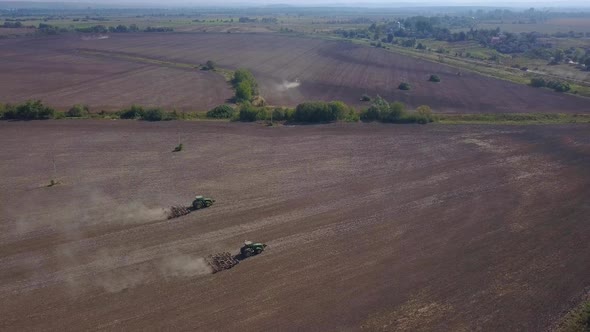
<point x="252" y="248"/>
<point x="202" y="202"/>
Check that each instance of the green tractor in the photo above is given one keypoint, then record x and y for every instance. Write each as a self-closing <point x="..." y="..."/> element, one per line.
<point x="201" y="202"/>
<point x="251" y="248"/>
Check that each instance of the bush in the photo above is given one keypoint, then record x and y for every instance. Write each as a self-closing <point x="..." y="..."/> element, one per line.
<point x="370" y="114"/>
<point x="423" y="115"/>
<point x="30" y="110"/>
<point x="394" y="113"/>
<point x="279" y="114"/>
<point x="559" y="86"/>
<point x="290" y="114"/>
<point x="77" y="111"/>
<point x="538" y="82"/>
<point x="221" y="112"/>
<point x="434" y="78"/>
<point x="365" y="98"/>
<point x="323" y="112"/>
<point x="249" y="113"/>
<point x="404" y="86"/>
<point x="134" y="112"/>
<point x="383" y="111"/>
<point x="210" y="65"/>
<point x="154" y="114"/>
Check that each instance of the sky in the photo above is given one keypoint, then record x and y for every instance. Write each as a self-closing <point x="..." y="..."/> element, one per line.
<point x="355" y="3"/>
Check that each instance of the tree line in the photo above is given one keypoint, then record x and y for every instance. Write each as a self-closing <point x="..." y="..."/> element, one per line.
<point x="307" y="112"/>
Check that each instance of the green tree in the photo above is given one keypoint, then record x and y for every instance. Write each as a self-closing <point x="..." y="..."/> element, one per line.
<point x="244" y="92"/>
<point x="30" y="110"/>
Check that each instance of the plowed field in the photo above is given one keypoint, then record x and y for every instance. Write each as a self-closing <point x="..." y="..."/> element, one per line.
<point x="368" y="226"/>
<point x="115" y="72"/>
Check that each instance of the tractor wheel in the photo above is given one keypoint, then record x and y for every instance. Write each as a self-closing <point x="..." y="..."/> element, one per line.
<point x="248" y="252"/>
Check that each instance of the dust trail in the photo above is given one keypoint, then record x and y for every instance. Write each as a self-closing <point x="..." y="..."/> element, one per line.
<point x="120" y="277"/>
<point x="184" y="266"/>
<point x="286" y="85"/>
<point x="95" y="37"/>
<point x="82" y="209"/>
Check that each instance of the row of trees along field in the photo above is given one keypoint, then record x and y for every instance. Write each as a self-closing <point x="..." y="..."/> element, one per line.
<point x="48" y="29"/>
<point x="308" y="112"/>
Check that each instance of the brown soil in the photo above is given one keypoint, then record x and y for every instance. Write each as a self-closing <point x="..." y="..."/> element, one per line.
<point x="290" y="70"/>
<point x="369" y="226"/>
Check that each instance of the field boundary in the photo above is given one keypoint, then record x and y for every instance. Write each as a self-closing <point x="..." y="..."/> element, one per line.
<point x="226" y="73"/>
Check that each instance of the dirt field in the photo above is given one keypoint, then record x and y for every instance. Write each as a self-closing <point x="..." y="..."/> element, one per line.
<point x="374" y="227"/>
<point x="290" y="71"/>
<point x="64" y="77"/>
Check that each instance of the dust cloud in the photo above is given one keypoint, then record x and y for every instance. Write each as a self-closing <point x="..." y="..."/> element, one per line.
<point x="286" y="85"/>
<point x="120" y="278"/>
<point x="84" y="209"/>
<point x="184" y="266"/>
<point x="95" y="37"/>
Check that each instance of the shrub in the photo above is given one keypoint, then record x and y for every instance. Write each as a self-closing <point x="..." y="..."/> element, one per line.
<point x="352" y="116"/>
<point x="248" y="113"/>
<point x="77" y="111"/>
<point x="559" y="86"/>
<point x="278" y="114"/>
<point x="365" y="98"/>
<point x="538" y="82"/>
<point x="322" y="112"/>
<point x="394" y="113"/>
<point x="221" y="112"/>
<point x="434" y="78"/>
<point x="404" y="86"/>
<point x="133" y="112"/>
<point x="290" y="114"/>
<point x="423" y="115"/>
<point x="154" y="114"/>
<point x="210" y="65"/>
<point x="30" y="110"/>
<point x="370" y="114"/>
